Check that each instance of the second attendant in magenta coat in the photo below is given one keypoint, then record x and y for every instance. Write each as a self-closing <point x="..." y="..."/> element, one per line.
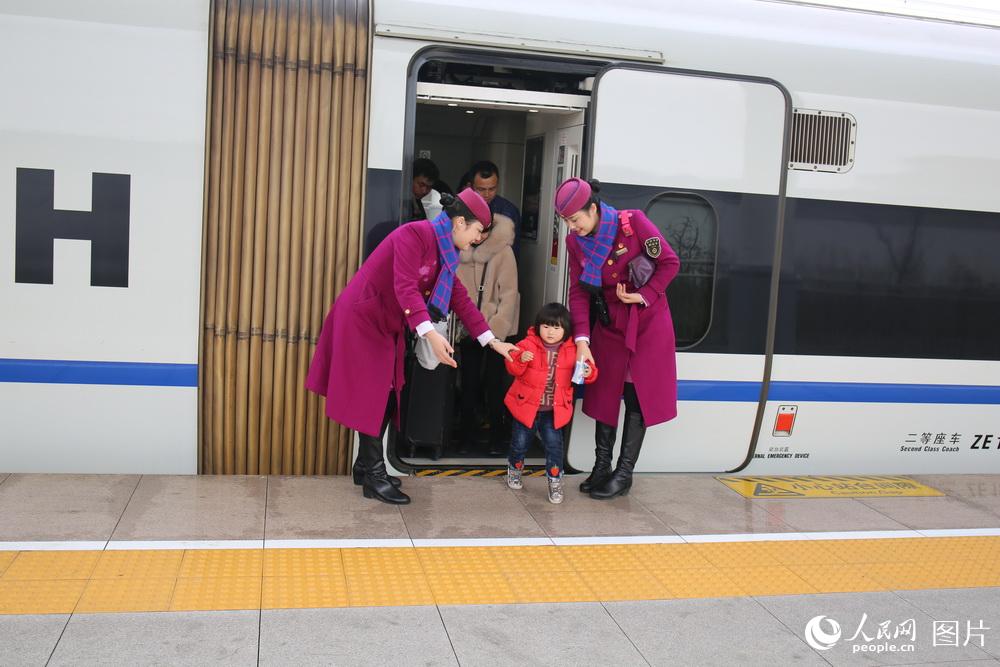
<point x="620" y="265"/>
<point x="639" y="342"/>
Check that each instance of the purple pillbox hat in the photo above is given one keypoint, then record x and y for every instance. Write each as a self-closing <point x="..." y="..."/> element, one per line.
<point x="480" y="209"/>
<point x="571" y="196"/>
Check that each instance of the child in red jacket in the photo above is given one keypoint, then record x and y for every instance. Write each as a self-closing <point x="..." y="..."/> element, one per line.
<point x="541" y="398"/>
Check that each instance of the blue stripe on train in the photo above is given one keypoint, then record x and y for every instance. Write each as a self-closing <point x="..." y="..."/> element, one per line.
<point x="50" y="371"/>
<point x="839" y="392"/>
<point x="186" y="375"/>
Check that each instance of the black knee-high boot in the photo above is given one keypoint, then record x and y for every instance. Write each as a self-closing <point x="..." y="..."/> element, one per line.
<point x="621" y="479"/>
<point x="604" y="438"/>
<point x="376" y="482"/>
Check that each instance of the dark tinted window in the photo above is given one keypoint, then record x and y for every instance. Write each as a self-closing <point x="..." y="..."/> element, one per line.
<point x="690" y="225"/>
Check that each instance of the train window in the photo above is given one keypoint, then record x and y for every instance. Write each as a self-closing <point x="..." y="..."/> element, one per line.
<point x="690" y="225"/>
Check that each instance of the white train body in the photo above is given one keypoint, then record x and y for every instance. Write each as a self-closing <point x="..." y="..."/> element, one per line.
<point x="694" y="99"/>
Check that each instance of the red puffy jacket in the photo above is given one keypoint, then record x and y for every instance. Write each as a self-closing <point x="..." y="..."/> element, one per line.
<point x="525" y="394"/>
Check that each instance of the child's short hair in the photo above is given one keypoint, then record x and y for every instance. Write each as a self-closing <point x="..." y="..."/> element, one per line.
<point x="554" y="314"/>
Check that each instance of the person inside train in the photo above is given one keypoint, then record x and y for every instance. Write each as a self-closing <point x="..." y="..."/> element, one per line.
<point x="425" y="174"/>
<point x="620" y="266"/>
<point x="406" y="282"/>
<point x="488" y="272"/>
<point x="541" y="398"/>
<point x="484" y="178"/>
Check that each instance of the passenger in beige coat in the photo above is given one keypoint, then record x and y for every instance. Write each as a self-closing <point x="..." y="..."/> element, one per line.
<point x="492" y="266"/>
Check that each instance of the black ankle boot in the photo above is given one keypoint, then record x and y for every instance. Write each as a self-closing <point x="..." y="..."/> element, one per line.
<point x="621" y="479"/>
<point x="376" y="483"/>
<point x="358" y="472"/>
<point x="605" y="441"/>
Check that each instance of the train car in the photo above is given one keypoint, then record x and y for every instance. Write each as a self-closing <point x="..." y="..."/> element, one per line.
<point x="828" y="178"/>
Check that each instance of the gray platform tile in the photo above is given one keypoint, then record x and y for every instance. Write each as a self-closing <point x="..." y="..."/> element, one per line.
<point x="329" y="507"/>
<point x="374" y="636"/>
<point x="701" y="505"/>
<point x="29" y="640"/>
<point x="964" y="486"/>
<point x="581" y="515"/>
<point x="195" y="507"/>
<point x="736" y="631"/>
<point x="940" y="512"/>
<point x="538" y="634"/>
<point x="448" y="507"/>
<point x="829" y="514"/>
<point x="964" y="605"/>
<point x="62" y="507"/>
<point x="849" y="610"/>
<point x="981" y="491"/>
<point x="4" y="476"/>
<point x="161" y="638"/>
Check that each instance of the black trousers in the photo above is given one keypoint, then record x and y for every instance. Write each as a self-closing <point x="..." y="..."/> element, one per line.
<point x="631" y="398"/>
<point x="390" y="410"/>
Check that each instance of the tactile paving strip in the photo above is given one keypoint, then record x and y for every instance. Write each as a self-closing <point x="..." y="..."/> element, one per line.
<point x="60" y="582"/>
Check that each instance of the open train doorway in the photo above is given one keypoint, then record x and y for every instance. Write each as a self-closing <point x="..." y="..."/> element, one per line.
<point x="526" y="126"/>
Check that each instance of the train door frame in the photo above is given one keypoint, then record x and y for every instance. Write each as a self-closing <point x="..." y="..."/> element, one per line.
<point x="473" y="56"/>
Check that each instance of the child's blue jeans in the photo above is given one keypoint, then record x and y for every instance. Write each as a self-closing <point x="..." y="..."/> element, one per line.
<point x="552" y="438"/>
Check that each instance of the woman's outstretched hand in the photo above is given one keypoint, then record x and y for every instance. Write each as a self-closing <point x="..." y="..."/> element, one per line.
<point x="442" y="348"/>
<point x="504" y="349"/>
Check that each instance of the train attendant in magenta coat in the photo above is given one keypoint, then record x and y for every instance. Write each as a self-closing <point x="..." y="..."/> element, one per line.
<point x="620" y="266"/>
<point x="405" y="283"/>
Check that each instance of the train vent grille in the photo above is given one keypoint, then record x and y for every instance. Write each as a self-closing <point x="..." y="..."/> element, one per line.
<point x="822" y="140"/>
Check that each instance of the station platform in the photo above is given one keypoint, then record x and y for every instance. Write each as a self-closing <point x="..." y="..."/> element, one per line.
<point x="129" y="569"/>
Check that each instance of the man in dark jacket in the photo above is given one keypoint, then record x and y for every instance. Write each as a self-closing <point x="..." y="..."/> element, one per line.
<point x="484" y="178"/>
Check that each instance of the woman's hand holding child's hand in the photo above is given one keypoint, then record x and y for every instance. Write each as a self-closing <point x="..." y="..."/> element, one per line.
<point x="586" y="371"/>
<point x="527" y="356"/>
<point x="505" y="350"/>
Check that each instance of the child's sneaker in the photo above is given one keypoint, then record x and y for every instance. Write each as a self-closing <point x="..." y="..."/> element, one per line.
<point x="555" y="490"/>
<point x="514" y="477"/>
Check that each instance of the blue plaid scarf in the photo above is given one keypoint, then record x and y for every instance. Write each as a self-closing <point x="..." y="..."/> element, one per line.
<point x="596" y="248"/>
<point x="448" y="254"/>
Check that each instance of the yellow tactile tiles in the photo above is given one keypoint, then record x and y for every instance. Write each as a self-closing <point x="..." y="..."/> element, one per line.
<point x="304" y="592"/>
<point x="49" y="582"/>
<point x="152" y="564"/>
<point x="52" y="565"/>
<point x="127" y="595"/>
<point x="40" y="597"/>
<point x="6" y="558"/>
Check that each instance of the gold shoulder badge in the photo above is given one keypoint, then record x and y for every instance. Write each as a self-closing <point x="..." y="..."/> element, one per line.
<point x="653" y="246"/>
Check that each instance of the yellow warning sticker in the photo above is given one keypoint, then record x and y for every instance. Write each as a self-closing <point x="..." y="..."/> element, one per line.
<point x="827" y="486"/>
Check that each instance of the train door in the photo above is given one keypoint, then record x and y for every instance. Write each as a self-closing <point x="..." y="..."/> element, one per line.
<point x="702" y="155"/>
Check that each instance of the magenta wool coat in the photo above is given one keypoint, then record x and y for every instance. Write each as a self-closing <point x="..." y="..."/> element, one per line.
<point x="648" y="329"/>
<point x="359" y="357"/>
